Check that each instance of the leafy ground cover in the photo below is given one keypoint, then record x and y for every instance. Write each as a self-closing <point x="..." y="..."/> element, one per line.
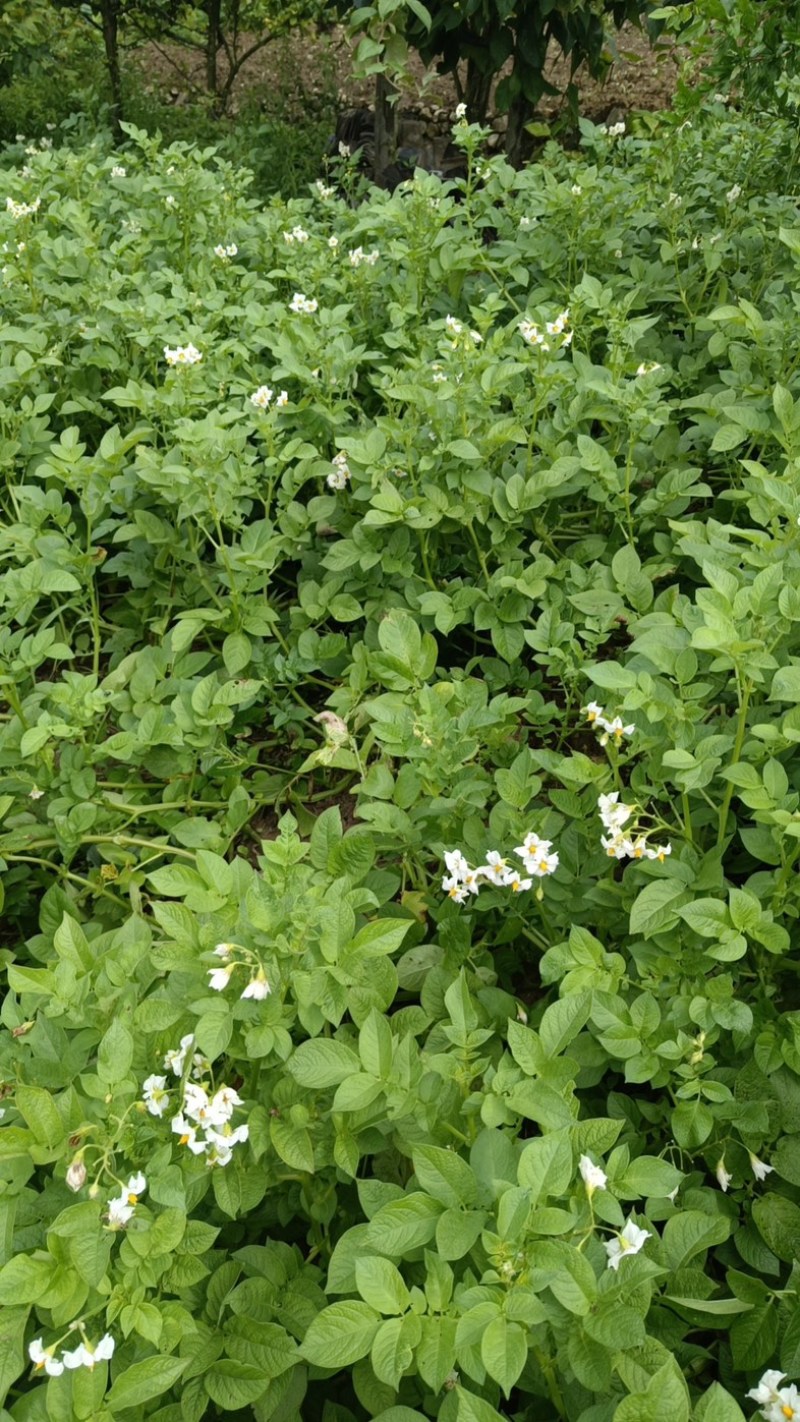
<point x="400" y="657"/>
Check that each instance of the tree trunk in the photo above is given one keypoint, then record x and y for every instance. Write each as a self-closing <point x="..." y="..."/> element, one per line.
<point x="109" y="15"/>
<point x="213" y="10"/>
<point x="476" y="93"/>
<point x="520" y="112"/>
<point x="385" y="127"/>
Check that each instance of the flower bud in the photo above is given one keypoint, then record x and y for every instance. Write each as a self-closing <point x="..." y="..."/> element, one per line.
<point x="76" y="1174"/>
<point x="94" y="1191"/>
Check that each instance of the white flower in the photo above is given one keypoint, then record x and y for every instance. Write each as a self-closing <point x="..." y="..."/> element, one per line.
<point x="175" y="1060"/>
<point x="119" y="1212"/>
<point x="576" y="189"/>
<point x="35" y="793"/>
<point x="221" y="253"/>
<point x="526" y="222"/>
<point x="674" y="200"/>
<point x="456" y="863"/>
<point x="182" y="355"/>
<point x="224" y="950"/>
<point x="530" y="332"/>
<point x="187" y="1135"/>
<point x="224" y="1102"/>
<point x="723" y="1176"/>
<point x="628" y="1241"/>
<point x="154" y="1095"/>
<point x="135" y="1187"/>
<point x="43" y="1358"/>
<point x="783" y="1406"/>
<point x="22" y="209"/>
<point x="333" y="243"/>
<point x="593" y="712"/>
<point x="218" y="978"/>
<point x="759" y="1167"/>
<point x="358" y="255"/>
<point x="461" y="111"/>
<point x="496" y="869"/>
<point x="118" y="171"/>
<point x="647" y="367"/>
<point x="340" y="474"/>
<point x="659" y="852"/>
<point x="616" y="846"/>
<point x="281" y="400"/>
<point x="304" y="305"/>
<point x="733" y="193"/>
<point x="297" y="234"/>
<point x="258" y="987"/>
<point x="261" y="397"/>
<point x="453" y="326"/>
<point x="76" y="1175"/>
<point x="616" y="130"/>
<point x="616" y="729"/>
<point x="517" y="884"/>
<point x="544" y="863"/>
<point x="613" y="813"/>
<point x="85" y="1356"/>
<point x="593" y="1177"/>
<point x="767" y="1390"/>
<point x="324" y="191"/>
<point x="344" y="150"/>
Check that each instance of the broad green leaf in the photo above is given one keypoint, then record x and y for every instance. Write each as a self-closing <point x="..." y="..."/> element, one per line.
<point x="141" y="1382"/>
<point x="444" y="1175"/>
<point x="341" y="1334"/>
<point x="322" y="1062"/>
<point x="403" y="1225"/>
<point x="381" y="1285"/>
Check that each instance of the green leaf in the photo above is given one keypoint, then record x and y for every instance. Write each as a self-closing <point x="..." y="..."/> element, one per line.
<point x="778" y="1222"/>
<point x="341" y="1334"/>
<point x="40" y="1113"/>
<point x="656" y="907"/>
<point x="475" y="1409"/>
<point x="141" y="1382"/>
<point x="457" y="1231"/>
<point x="666" y="1399"/>
<point x="690" y="1233"/>
<point x="504" y="1352"/>
<point x="436" y="1351"/>
<point x="322" y="1062"/>
<point x="754" y="1337"/>
<point x="648" y="1176"/>
<point x="403" y="1225"/>
<point x="232" y="1384"/>
<point x="381" y="1285"/>
<point x="392" y="1352"/>
<point x="445" y="1176"/>
<point x="546" y="1166"/>
<point x="717" y="1405"/>
<point x="115" y="1054"/>
<point x="562" y="1021"/>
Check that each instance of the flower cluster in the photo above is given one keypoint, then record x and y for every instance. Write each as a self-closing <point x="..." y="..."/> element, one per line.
<point x="297" y="234"/>
<point x="303" y="305"/>
<point x="340" y="474"/>
<point x="324" y="191"/>
<point x="620" y="843"/>
<point x="22" y="209"/>
<point x="122" y="1207"/>
<point x="218" y="978"/>
<point x="225" y="253"/>
<point x="262" y="397"/>
<point x="358" y="255"/>
<point x="759" y="1168"/>
<point x="118" y="171"/>
<point x="778" y="1404"/>
<point x="461" y="880"/>
<point x="203" y="1122"/>
<point x="456" y="329"/>
<point x="182" y="355"/>
<point x="615" y="131"/>
<point x="614" y="729"/>
<point x="84" y="1356"/>
<point x="530" y="331"/>
<point x="733" y="193"/>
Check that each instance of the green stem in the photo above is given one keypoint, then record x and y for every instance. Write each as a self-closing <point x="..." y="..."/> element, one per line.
<point x="737" y="751"/>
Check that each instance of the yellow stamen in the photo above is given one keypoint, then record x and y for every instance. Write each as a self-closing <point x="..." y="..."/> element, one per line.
<point x="788" y="1411"/>
<point x="133" y="1199"/>
<point x="183" y="1140"/>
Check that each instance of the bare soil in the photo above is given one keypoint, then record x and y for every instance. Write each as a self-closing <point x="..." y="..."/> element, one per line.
<point x="298" y="75"/>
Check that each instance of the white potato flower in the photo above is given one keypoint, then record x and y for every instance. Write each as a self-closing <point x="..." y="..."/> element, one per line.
<point x="258" y="987"/>
<point x="724" y="1177"/>
<point x="43" y="1359"/>
<point x="593" y="1177"/>
<point x="461" y="112"/>
<point x="759" y="1167"/>
<point x="628" y="1241"/>
<point x="155" y="1095"/>
<point x="182" y="355"/>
